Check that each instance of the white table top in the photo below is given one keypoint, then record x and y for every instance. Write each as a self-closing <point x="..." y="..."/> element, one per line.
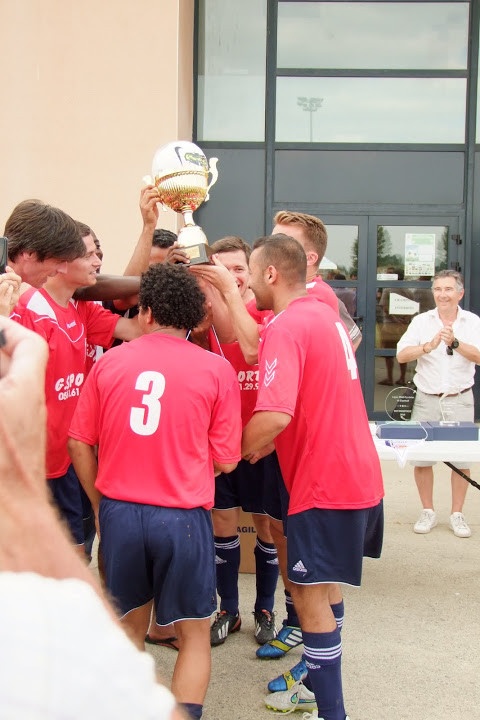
<point x="434" y="450"/>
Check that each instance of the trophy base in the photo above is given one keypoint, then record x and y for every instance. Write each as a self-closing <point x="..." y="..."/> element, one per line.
<point x="198" y="254"/>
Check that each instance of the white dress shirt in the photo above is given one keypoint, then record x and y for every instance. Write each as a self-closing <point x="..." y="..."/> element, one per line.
<point x="437" y="372"/>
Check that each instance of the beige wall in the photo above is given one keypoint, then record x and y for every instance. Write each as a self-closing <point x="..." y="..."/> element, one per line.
<point x="89" y="91"/>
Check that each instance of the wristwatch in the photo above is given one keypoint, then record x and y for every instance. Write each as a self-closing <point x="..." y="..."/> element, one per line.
<point x="454" y="344"/>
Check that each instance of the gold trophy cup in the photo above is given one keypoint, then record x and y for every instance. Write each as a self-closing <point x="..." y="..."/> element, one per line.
<point x="180" y="173"/>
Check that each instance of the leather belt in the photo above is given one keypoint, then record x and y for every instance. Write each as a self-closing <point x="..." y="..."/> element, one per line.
<point x="451" y="394"/>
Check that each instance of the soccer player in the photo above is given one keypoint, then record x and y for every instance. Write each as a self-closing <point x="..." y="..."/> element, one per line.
<point x="68" y="326"/>
<point x="310" y="404"/>
<point x="245" y="486"/>
<point x="166" y="416"/>
<point x="41" y="240"/>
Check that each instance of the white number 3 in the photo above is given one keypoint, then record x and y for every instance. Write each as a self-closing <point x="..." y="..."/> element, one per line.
<point x="349" y="354"/>
<point x="144" y="420"/>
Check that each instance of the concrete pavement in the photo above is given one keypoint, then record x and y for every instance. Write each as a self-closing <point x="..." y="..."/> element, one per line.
<point x="411" y="639"/>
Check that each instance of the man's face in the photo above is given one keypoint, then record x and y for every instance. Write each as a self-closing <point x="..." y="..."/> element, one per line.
<point x="83" y="271"/>
<point x="446" y="294"/>
<point x="257" y="283"/>
<point x="35" y="272"/>
<point x="237" y="265"/>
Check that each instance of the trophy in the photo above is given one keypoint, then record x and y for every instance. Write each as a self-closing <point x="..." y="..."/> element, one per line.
<point x="399" y="403"/>
<point x="180" y="173"/>
<point x="448" y="408"/>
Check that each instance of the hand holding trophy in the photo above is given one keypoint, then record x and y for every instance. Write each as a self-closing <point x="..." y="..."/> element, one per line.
<point x="180" y="174"/>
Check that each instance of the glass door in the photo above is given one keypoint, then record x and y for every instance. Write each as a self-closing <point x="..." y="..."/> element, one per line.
<point x="403" y="256"/>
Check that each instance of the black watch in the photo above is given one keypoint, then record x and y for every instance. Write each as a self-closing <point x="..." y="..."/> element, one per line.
<point x="455" y="343"/>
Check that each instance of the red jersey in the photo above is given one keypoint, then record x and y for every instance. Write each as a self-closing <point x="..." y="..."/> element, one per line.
<point x="67" y="331"/>
<point x="319" y="288"/>
<point x="161" y="410"/>
<point x="247" y="374"/>
<point x="308" y="370"/>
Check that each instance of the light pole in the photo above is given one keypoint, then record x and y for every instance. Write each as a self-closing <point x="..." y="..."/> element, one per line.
<point x="310" y="105"/>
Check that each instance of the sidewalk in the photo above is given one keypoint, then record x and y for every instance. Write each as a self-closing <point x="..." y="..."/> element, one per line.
<point x="411" y="637"/>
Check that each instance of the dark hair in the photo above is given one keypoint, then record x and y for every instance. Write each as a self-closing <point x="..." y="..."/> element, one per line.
<point x="163" y="238"/>
<point x="458" y="277"/>
<point x="232" y="243"/>
<point x="173" y="295"/>
<point x="284" y="253"/>
<point x="315" y="230"/>
<point x="45" y="230"/>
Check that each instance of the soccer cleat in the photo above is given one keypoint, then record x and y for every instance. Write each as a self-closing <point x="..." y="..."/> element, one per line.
<point x="287" y="638"/>
<point x="297" y="698"/>
<point x="459" y="525"/>
<point x="265" y="629"/>
<point x="288" y="679"/>
<point x="223" y="625"/>
<point x="425" y="522"/>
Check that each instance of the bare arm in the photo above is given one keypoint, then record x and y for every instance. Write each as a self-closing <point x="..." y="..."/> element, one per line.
<point x="110" y="287"/>
<point x="85" y="463"/>
<point x="127" y="329"/>
<point x="238" y="324"/>
<point x="262" y="429"/>
<point x="138" y="263"/>
<point x="223" y="467"/>
<point x="413" y="352"/>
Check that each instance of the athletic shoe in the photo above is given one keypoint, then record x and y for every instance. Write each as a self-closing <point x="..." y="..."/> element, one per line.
<point x="297" y="698"/>
<point x="425" y="522"/>
<point x="265" y="629"/>
<point x="288" y="679"/>
<point x="459" y="526"/>
<point x="287" y="638"/>
<point x="222" y="626"/>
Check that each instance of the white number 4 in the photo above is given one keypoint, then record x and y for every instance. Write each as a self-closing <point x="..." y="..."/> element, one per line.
<point x="144" y="420"/>
<point x="349" y="354"/>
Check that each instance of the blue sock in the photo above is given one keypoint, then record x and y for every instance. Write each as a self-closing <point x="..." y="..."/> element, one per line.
<point x="322" y="653"/>
<point x="338" y="612"/>
<point x="227" y="563"/>
<point x="292" y="617"/>
<point x="193" y="710"/>
<point x="266" y="568"/>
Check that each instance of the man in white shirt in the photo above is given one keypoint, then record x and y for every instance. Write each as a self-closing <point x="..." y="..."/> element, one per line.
<point x="445" y="342"/>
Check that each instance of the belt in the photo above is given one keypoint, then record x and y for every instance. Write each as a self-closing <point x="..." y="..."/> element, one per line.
<point x="451" y="394"/>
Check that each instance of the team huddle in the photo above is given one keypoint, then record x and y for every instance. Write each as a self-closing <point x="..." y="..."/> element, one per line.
<point x="235" y="386"/>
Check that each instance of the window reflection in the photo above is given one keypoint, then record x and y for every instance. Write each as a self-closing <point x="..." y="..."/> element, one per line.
<point x="371" y="35"/>
<point x="380" y="110"/>
<point x="383" y="390"/>
<point x="414" y="252"/>
<point x="231" y="70"/>
<point x="342" y="252"/>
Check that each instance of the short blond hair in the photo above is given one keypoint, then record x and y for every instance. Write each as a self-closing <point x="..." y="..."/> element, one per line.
<point x="315" y="230"/>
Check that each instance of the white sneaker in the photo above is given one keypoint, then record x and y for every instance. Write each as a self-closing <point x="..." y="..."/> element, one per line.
<point x="425" y="522"/>
<point x="297" y="698"/>
<point x="459" y="526"/>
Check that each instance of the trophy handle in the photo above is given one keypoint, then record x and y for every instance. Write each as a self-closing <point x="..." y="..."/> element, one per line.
<point x="212" y="168"/>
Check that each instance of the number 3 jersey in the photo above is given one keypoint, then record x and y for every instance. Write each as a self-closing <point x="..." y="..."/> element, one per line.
<point x="308" y="370"/>
<point x="161" y="410"/>
<point x="66" y="331"/>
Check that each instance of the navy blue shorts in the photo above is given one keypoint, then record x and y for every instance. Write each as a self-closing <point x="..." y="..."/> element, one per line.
<point x="246" y="486"/>
<point x="328" y="546"/>
<point x="66" y="492"/>
<point x="162" y="553"/>
<point x="275" y="495"/>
